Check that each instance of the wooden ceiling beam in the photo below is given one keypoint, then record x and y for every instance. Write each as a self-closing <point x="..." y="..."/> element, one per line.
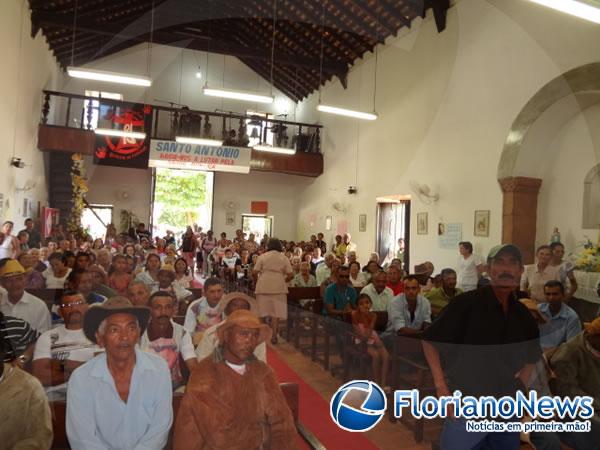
<point x="338" y="48"/>
<point x="374" y="18"/>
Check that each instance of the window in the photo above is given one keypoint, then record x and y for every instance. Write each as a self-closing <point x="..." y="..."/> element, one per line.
<point x="96" y="106"/>
<point x="95" y="218"/>
<point x="258" y="225"/>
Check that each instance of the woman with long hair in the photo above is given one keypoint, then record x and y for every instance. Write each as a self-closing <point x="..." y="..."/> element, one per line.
<point x="274" y="271"/>
<point x="150" y="274"/>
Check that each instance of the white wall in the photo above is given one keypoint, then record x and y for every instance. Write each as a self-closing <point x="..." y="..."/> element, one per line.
<point x="28" y="68"/>
<point x="107" y="184"/>
<point x="279" y="190"/>
<point x="573" y="154"/>
<point x="128" y="189"/>
<point x="445" y="102"/>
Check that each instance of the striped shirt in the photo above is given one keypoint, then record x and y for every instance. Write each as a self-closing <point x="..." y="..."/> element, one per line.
<point x="18" y="334"/>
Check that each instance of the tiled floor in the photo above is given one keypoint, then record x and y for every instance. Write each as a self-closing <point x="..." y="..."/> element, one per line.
<point x="385" y="435"/>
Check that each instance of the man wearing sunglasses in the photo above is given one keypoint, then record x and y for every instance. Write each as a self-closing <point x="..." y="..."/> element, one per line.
<point x="62" y="349"/>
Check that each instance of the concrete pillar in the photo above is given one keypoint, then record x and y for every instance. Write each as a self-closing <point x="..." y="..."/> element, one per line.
<point x="519" y="213"/>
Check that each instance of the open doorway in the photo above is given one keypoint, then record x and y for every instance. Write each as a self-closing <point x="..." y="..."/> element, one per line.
<point x="181" y="198"/>
<point x="95" y="219"/>
<point x="258" y="225"/>
<point x="393" y="229"/>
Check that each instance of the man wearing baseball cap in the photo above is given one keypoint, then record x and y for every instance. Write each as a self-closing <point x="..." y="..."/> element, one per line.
<point x="490" y="344"/>
<point x="577" y="367"/>
<point x="233" y="400"/>
<point x="121" y="398"/>
<point x="19" y="303"/>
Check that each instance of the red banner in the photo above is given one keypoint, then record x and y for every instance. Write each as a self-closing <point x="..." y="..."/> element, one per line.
<point x="124" y="151"/>
<point x="50" y="218"/>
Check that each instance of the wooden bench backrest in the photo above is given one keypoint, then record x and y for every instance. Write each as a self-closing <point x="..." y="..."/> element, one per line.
<point x="59" y="412"/>
<point x="301" y="293"/>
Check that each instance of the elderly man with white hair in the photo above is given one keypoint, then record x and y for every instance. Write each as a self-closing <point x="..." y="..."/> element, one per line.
<point x="122" y="398"/>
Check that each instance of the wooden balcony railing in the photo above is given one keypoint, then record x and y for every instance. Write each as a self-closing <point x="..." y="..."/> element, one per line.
<point x="81" y="112"/>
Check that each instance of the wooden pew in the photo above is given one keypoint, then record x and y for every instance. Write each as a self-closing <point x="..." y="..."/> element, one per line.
<point x="290" y="392"/>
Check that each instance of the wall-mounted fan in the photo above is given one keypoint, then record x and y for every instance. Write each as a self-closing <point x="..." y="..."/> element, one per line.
<point x="340" y="207"/>
<point x="424" y="192"/>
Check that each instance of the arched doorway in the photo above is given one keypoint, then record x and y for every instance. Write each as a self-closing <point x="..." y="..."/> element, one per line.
<point x="521" y="162"/>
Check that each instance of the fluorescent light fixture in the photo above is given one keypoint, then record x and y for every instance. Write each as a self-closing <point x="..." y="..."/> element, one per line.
<point x="238" y="95"/>
<point x="270" y="148"/>
<point x="110" y="77"/>
<point x="120" y="133"/>
<point x="198" y="141"/>
<point x="580" y="9"/>
<point x="346" y="112"/>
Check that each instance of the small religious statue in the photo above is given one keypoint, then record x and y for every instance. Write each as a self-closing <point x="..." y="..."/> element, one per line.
<point x="555" y="237"/>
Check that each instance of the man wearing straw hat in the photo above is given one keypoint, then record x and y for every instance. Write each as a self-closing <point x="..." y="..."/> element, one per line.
<point x="576" y="364"/>
<point x="122" y="398"/>
<point x="229" y="303"/>
<point x="16" y="302"/>
<point x="233" y="401"/>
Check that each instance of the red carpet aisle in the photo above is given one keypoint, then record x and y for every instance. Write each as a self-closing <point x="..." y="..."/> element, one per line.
<point x="314" y="411"/>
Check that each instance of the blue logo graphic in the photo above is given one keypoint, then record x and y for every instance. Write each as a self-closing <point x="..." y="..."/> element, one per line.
<point x="367" y="415"/>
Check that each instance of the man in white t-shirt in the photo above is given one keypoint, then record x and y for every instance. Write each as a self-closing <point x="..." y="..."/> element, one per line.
<point x="204" y="312"/>
<point x="167" y="339"/>
<point x="535" y="276"/>
<point x="16" y="302"/>
<point x="470" y="267"/>
<point x="62" y="349"/>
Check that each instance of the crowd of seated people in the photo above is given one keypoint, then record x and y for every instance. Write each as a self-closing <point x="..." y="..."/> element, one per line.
<point x="128" y="322"/>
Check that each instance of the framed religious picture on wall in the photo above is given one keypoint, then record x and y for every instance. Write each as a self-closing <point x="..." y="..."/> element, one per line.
<point x="230" y="219"/>
<point x="362" y="222"/>
<point x="422" y="223"/>
<point x="482" y="223"/>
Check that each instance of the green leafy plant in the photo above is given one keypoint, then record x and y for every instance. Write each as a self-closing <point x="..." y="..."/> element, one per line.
<point x="178" y="195"/>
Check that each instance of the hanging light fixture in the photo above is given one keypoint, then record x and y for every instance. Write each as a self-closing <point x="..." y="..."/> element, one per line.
<point x="344" y="111"/>
<point x="272" y="149"/>
<point x="109" y="77"/>
<point x="120" y="133"/>
<point x="191" y="139"/>
<point x="232" y="94"/>
<point x="266" y="147"/>
<point x="238" y="95"/>
<point x="198" y="141"/>
<point x="101" y="75"/>
<point x="583" y="10"/>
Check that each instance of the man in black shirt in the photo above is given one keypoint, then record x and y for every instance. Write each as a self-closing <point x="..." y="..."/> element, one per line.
<point x="489" y="343"/>
<point x="35" y="239"/>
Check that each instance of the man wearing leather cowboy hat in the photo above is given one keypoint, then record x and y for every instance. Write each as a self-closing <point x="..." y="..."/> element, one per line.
<point x="121" y="398"/>
<point x="232" y="400"/>
<point x="228" y="304"/>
